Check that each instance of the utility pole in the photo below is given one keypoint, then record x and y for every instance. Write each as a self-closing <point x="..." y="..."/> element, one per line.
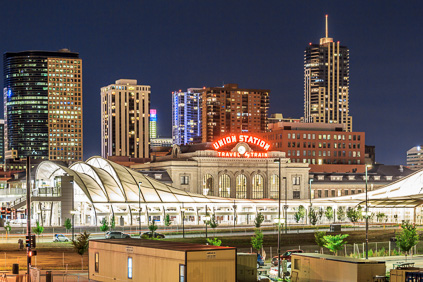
<point x="28" y="213"/>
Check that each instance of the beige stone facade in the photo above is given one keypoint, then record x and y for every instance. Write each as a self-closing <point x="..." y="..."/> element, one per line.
<point x="203" y="172"/>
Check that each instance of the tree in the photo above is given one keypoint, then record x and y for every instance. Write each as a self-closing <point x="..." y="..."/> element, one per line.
<point x="80" y="245"/>
<point x="300" y="214"/>
<point x="312" y="215"/>
<point x="8" y="228"/>
<point x="407" y="238"/>
<point x="38" y="229"/>
<point x="360" y="212"/>
<point x="352" y="214"/>
<point x="112" y="222"/>
<point x="340" y="213"/>
<point x="213" y="223"/>
<point x="104" y="227"/>
<point x="214" y="241"/>
<point x="257" y="240"/>
<point x="380" y="216"/>
<point x="320" y="213"/>
<point x="329" y="213"/>
<point x="259" y="219"/>
<point x="167" y="221"/>
<point x="68" y="224"/>
<point x="335" y="243"/>
<point x="319" y="238"/>
<point x="152" y="227"/>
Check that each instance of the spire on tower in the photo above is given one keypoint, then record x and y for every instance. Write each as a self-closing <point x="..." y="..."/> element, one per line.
<point x="326" y="26"/>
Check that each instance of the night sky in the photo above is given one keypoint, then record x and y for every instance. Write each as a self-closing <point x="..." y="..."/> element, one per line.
<point x="174" y="45"/>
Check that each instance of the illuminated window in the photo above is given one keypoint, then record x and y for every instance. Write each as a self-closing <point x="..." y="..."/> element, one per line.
<point x="241" y="186"/>
<point x="208" y="185"/>
<point x="274" y="186"/>
<point x="224" y="186"/>
<point x="257" y="187"/>
<point x="129" y="268"/>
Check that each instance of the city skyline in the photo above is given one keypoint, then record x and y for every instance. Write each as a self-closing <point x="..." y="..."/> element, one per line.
<point x="263" y="48"/>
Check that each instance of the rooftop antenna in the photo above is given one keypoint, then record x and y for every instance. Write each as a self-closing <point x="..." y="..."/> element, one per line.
<point x="326" y="26"/>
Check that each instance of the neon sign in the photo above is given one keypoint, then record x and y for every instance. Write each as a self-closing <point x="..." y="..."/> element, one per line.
<point x="245" y="155"/>
<point x="241" y="138"/>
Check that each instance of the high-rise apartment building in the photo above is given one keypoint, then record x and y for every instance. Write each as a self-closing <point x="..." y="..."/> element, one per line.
<point x="125" y="108"/>
<point x="326" y="82"/>
<point x="186" y="116"/>
<point x="1" y="141"/>
<point x="153" y="123"/>
<point x="415" y="158"/>
<point x="43" y="104"/>
<point x="232" y="110"/>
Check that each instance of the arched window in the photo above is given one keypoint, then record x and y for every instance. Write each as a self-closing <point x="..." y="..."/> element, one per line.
<point x="257" y="187"/>
<point x="207" y="185"/>
<point x="241" y="186"/>
<point x="274" y="186"/>
<point x="224" y="186"/>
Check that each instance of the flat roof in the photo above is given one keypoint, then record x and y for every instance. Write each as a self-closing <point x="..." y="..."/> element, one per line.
<point x="336" y="258"/>
<point x="165" y="245"/>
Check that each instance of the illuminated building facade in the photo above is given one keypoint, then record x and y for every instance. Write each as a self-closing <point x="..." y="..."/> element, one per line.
<point x="2" y="159"/>
<point x="43" y="104"/>
<point x="317" y="144"/>
<point x="415" y="158"/>
<point x="239" y="166"/>
<point x="233" y="110"/>
<point x="125" y="108"/>
<point x="186" y="116"/>
<point x="326" y="83"/>
<point x="153" y="123"/>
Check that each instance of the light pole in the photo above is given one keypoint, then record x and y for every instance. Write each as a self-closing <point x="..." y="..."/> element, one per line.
<point x="206" y="219"/>
<point x="139" y="205"/>
<point x="279" y="218"/>
<point x="311" y="180"/>
<point x="183" y="220"/>
<point x="286" y="206"/>
<point x="367" y="222"/>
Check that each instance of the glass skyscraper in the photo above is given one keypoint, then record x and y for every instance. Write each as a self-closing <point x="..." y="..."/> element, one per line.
<point x="43" y="104"/>
<point x="186" y="116"/>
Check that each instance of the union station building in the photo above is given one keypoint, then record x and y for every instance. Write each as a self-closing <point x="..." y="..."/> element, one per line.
<point x="237" y="166"/>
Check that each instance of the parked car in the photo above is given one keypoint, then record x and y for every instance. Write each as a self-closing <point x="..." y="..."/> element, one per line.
<point x="285" y="256"/>
<point x="273" y="273"/>
<point x="260" y="261"/>
<point x="149" y="234"/>
<point x="60" y="238"/>
<point x="116" y="235"/>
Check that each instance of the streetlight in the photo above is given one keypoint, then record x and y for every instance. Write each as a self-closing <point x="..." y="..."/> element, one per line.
<point x="311" y="180"/>
<point x="183" y="220"/>
<point x="139" y="205"/>
<point x="73" y="212"/>
<point x="367" y="221"/>
<point x="279" y="221"/>
<point x="286" y="206"/>
<point x="206" y="219"/>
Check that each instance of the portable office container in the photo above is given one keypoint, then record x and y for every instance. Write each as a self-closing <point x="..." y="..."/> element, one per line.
<point x="308" y="267"/>
<point x="156" y="261"/>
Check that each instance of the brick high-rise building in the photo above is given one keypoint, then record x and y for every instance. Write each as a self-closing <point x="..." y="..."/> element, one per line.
<point x="326" y="82"/>
<point x="43" y="104"/>
<point x="231" y="110"/>
<point x="125" y="108"/>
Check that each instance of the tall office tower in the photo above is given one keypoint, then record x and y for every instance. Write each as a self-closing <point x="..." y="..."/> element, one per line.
<point x="153" y="123"/>
<point x="326" y="82"/>
<point x="1" y="141"/>
<point x="233" y="110"/>
<point x="43" y="104"/>
<point x="125" y="108"/>
<point x="186" y="116"/>
<point x="415" y="158"/>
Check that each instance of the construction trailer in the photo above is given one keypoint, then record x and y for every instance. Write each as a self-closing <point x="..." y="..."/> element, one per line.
<point x="156" y="261"/>
<point x="311" y="267"/>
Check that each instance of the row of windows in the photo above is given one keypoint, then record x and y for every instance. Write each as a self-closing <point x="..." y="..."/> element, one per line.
<point x="311" y="136"/>
<point x="354" y="154"/>
<point x="325" y="161"/>
<point x="323" y="145"/>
